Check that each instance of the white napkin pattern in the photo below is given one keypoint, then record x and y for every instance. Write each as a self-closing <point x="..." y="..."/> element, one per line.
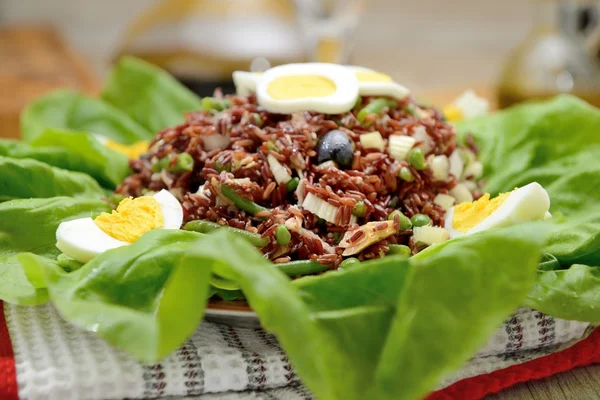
<point x="55" y="360"/>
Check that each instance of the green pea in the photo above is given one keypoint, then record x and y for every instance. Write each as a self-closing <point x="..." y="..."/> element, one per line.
<point x="402" y="219"/>
<point x="399" y="249"/>
<point x="220" y="167"/>
<point x="292" y="184"/>
<point x="282" y="235"/>
<point x="350" y="263"/>
<point x="360" y="209"/>
<point x="416" y="158"/>
<point x="419" y="220"/>
<point x="183" y="163"/>
<point x="406" y="175"/>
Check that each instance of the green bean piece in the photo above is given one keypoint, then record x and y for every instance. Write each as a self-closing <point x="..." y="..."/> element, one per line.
<point x="301" y="267"/>
<point x="272" y="146"/>
<point x="220" y="167"/>
<point x="258" y="121"/>
<point x="411" y="109"/>
<point x="375" y="107"/>
<point x="212" y="103"/>
<point x="350" y="263"/>
<point x="406" y="175"/>
<point x="360" y="209"/>
<point x="419" y="220"/>
<point x="416" y="158"/>
<point x="183" y="163"/>
<point x="399" y="249"/>
<point x="161" y="164"/>
<point x="292" y="184"/>
<point x="240" y="202"/>
<point x="282" y="235"/>
<point x="403" y="220"/>
<point x="208" y="226"/>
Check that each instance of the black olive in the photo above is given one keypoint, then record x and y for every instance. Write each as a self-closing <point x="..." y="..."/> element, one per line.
<point x="336" y="146"/>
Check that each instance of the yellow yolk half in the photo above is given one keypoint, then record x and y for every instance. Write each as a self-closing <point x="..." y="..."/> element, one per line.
<point x="132" y="218"/>
<point x="290" y="87"/>
<point x="453" y="113"/>
<point x="468" y="215"/>
<point x="133" y="151"/>
<point x="372" y="76"/>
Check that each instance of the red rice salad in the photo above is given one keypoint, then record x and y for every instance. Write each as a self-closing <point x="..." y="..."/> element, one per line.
<point x="312" y="186"/>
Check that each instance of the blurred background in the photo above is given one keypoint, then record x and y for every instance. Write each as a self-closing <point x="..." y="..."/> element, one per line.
<point x="507" y="50"/>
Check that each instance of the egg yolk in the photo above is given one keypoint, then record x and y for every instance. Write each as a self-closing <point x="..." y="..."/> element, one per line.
<point x="293" y="87"/>
<point x="468" y="215"/>
<point x="453" y="113"/>
<point x="133" y="151"/>
<point x="369" y="76"/>
<point x="132" y="218"/>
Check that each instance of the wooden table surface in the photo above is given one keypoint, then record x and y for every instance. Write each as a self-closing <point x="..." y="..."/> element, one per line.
<point x="578" y="384"/>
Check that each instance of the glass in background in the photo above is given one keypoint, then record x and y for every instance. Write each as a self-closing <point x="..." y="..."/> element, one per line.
<point x="560" y="55"/>
<point x="202" y="42"/>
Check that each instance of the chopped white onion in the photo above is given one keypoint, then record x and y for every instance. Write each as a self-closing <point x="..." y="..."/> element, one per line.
<point x="279" y="172"/>
<point x="430" y="235"/>
<point x="444" y="200"/>
<point x="399" y="146"/>
<point x="372" y="140"/>
<point x="420" y="135"/>
<point x="461" y="194"/>
<point x="322" y="209"/>
<point x="456" y="164"/>
<point x="471" y="185"/>
<point x="475" y="170"/>
<point x="216" y="141"/>
<point x="301" y="191"/>
<point x="440" y="167"/>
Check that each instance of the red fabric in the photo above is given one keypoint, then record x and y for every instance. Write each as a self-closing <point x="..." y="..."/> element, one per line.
<point x="8" y="374"/>
<point x="583" y="353"/>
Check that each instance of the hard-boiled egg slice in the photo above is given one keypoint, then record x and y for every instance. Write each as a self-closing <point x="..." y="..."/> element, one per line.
<point x="467" y="105"/>
<point x="528" y="203"/>
<point x="133" y="151"/>
<point x="373" y="83"/>
<point x="83" y="239"/>
<point x="245" y="82"/>
<point x="320" y="87"/>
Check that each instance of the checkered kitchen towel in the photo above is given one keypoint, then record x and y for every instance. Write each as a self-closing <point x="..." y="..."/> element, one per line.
<point x="54" y="360"/>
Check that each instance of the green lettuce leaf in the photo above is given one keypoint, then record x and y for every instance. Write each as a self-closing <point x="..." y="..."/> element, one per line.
<point x="21" y="279"/>
<point x="27" y="238"/>
<point x="530" y="136"/>
<point x="65" y="109"/>
<point x="569" y="293"/>
<point x="30" y="225"/>
<point x="74" y="151"/>
<point x="148" y="94"/>
<point x="147" y="298"/>
<point x="27" y="178"/>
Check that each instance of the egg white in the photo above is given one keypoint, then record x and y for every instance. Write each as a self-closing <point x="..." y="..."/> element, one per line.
<point x="528" y="203"/>
<point x="339" y="102"/>
<point x="374" y="88"/>
<point x="245" y="82"/>
<point x="82" y="240"/>
<point x="171" y="209"/>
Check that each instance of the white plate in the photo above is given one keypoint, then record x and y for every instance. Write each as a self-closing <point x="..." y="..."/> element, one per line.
<point x="234" y="313"/>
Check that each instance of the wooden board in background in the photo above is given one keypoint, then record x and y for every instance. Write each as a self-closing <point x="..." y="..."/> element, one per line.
<point x="34" y="61"/>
